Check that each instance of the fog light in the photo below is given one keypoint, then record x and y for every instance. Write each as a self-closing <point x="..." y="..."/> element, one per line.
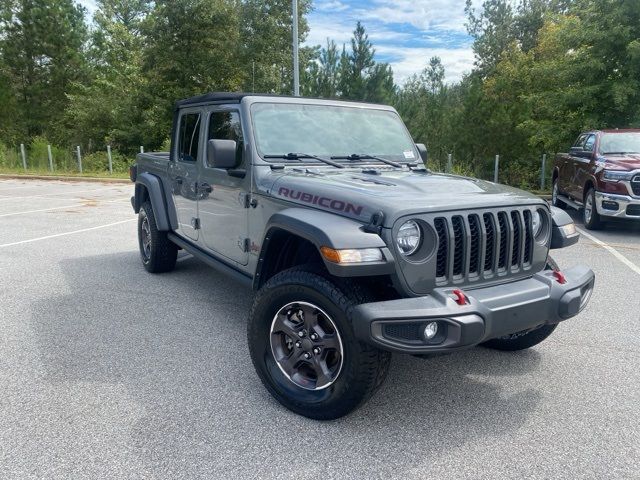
<point x="610" y="205"/>
<point x="430" y="330"/>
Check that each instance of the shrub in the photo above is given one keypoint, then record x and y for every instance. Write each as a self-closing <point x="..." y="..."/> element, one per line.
<point x="9" y="157"/>
<point x="99" y="162"/>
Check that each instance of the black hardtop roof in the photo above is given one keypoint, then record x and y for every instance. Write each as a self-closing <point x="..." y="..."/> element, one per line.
<point x="223" y="97"/>
<point x="236" y="97"/>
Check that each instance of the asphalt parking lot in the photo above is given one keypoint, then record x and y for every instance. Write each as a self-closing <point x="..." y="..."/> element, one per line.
<point x="107" y="371"/>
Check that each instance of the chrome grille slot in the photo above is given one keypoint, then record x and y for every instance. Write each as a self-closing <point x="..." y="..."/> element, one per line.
<point x="474" y="253"/>
<point x="443" y="247"/>
<point x="458" y="246"/>
<point x="635" y="185"/>
<point x="528" y="245"/>
<point x="483" y="245"/>
<point x="489" y="228"/>
<point x="503" y="223"/>
<point x="515" y="250"/>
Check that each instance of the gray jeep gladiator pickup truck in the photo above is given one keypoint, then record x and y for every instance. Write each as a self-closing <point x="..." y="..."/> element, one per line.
<point x="354" y="248"/>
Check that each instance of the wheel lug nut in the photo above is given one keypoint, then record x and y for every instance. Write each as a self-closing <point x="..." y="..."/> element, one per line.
<point x="301" y="333"/>
<point x="307" y="355"/>
<point x="316" y="351"/>
<point x="313" y="336"/>
<point x="298" y="344"/>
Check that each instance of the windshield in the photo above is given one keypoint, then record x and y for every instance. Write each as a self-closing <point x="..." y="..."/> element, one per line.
<point x="327" y="131"/>
<point x="620" y="142"/>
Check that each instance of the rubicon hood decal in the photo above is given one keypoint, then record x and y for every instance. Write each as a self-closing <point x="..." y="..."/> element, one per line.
<point x="325" y="202"/>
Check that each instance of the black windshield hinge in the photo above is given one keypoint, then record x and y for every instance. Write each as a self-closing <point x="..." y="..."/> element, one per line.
<point x="375" y="224"/>
<point x="249" y="201"/>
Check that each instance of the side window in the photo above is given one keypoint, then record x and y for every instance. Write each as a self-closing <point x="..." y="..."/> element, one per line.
<point x="589" y="143"/>
<point x="580" y="141"/>
<point x="226" y="126"/>
<point x="189" y="137"/>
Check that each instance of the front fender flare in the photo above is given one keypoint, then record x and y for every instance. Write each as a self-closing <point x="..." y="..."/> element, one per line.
<point x="559" y="238"/>
<point x="325" y="229"/>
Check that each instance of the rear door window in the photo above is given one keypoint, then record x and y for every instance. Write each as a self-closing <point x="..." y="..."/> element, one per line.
<point x="189" y="137"/>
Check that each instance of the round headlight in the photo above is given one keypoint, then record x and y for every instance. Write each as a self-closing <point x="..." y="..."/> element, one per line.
<point x="408" y="238"/>
<point x="536" y="222"/>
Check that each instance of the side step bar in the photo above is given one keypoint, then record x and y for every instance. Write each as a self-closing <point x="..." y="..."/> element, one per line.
<point x="211" y="260"/>
<point x="570" y="202"/>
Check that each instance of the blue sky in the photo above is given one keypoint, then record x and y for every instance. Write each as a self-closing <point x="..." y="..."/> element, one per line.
<point x="405" y="33"/>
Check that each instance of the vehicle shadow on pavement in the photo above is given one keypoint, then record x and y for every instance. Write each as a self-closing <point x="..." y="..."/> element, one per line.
<point x="176" y="345"/>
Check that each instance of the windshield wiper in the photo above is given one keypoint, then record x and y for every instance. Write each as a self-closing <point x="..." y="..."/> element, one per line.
<point x="364" y="156"/>
<point x="300" y="156"/>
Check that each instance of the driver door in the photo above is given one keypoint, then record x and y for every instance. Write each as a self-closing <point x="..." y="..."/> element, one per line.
<point x="223" y="206"/>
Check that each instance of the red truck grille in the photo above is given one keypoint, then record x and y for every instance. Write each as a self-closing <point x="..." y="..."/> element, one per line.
<point x="635" y="185"/>
<point x="480" y="245"/>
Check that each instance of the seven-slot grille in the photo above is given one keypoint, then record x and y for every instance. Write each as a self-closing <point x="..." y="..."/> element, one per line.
<point x="480" y="245"/>
<point x="635" y="185"/>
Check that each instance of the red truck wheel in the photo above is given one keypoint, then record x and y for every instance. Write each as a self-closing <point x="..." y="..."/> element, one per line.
<point x="591" y="216"/>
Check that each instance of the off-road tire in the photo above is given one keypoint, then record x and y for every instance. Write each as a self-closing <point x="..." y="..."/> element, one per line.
<point x="594" y="222"/>
<point x="162" y="254"/>
<point x="555" y="191"/>
<point x="364" y="367"/>
<point x="527" y="338"/>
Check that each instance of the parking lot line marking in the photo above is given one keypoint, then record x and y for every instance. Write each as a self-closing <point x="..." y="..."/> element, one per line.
<point x="635" y="268"/>
<point x="65" y="206"/>
<point x="67" y="233"/>
<point x="45" y="195"/>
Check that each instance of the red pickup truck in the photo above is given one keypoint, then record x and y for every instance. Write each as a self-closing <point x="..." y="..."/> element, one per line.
<point x="601" y="176"/>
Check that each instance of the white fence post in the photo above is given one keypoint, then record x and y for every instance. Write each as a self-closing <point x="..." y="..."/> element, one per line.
<point x="449" y="163"/>
<point x="141" y="149"/>
<point x="495" y="169"/>
<point x="543" y="174"/>
<point x="79" y="158"/>
<point x="24" y="157"/>
<point x="50" y="158"/>
<point x="109" y="157"/>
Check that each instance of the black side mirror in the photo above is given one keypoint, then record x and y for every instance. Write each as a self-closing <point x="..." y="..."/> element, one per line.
<point x="424" y="153"/>
<point x="576" y="150"/>
<point x="221" y="153"/>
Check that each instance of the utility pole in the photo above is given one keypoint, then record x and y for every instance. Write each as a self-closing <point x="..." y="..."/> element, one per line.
<point x="296" y="62"/>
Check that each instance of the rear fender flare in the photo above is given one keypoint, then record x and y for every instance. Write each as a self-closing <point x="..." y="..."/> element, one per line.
<point x="153" y="185"/>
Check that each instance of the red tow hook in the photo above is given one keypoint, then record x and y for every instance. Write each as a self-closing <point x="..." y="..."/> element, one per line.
<point x="559" y="276"/>
<point x="461" y="297"/>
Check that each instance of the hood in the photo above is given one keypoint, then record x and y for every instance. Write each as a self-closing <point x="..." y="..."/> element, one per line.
<point x="629" y="161"/>
<point x="360" y="192"/>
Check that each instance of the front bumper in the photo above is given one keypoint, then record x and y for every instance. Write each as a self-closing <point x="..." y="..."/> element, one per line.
<point x="490" y="312"/>
<point x="618" y="206"/>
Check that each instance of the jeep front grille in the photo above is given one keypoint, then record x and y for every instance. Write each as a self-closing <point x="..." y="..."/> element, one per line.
<point x="635" y="185"/>
<point x="474" y="246"/>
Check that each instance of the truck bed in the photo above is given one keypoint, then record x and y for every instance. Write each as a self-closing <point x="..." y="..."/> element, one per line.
<point x="153" y="162"/>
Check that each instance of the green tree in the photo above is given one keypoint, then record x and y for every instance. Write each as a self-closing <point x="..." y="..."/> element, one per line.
<point x="266" y="44"/>
<point x="107" y="107"/>
<point x="42" y="47"/>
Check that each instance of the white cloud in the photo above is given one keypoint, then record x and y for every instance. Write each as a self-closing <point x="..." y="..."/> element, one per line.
<point x="331" y="5"/>
<point x="422" y="14"/>
<point x="456" y="61"/>
<point x="404" y="33"/>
